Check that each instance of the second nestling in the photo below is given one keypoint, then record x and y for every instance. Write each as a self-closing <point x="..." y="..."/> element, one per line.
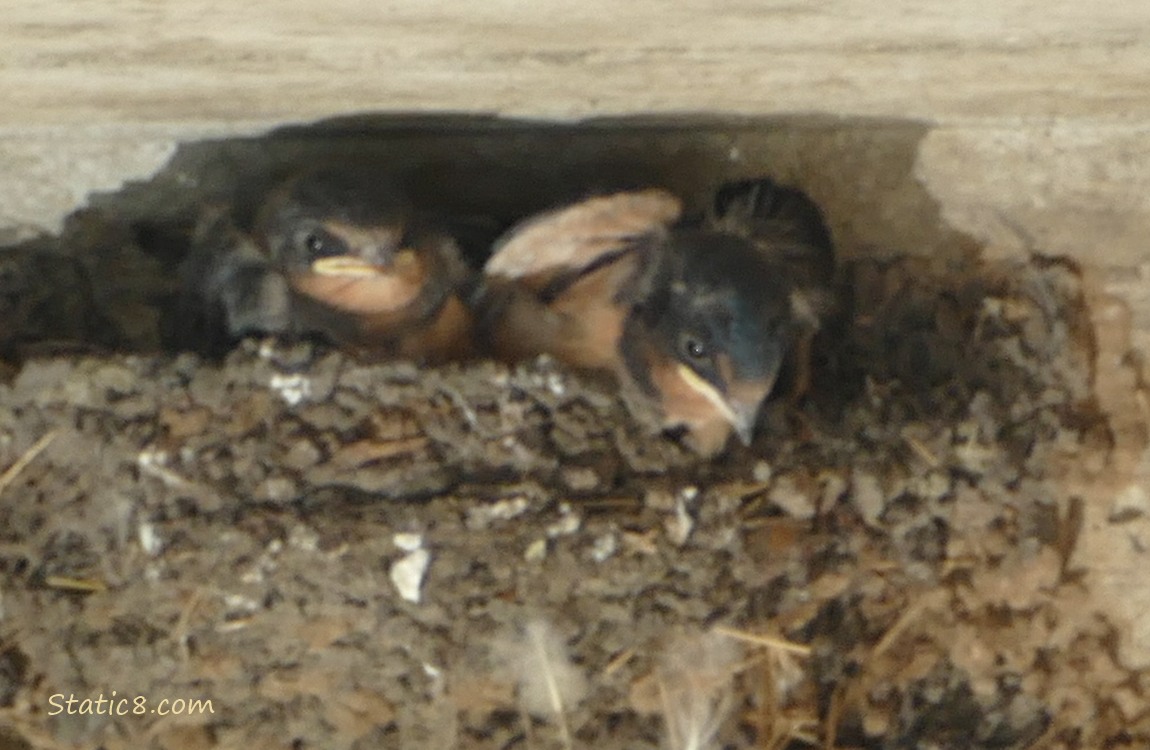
<point x="338" y="253"/>
<point x="695" y="319"/>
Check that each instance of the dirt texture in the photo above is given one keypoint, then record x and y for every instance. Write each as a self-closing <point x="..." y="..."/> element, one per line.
<point x="337" y="554"/>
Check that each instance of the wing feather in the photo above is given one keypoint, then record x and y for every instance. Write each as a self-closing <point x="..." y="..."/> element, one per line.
<point x="572" y="238"/>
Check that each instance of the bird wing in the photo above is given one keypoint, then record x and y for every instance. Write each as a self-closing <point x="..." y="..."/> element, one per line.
<point x="566" y="241"/>
<point x="783" y="221"/>
<point x="552" y="283"/>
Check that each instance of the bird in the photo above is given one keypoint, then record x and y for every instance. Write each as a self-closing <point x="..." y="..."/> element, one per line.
<point x="786" y="225"/>
<point x="335" y="252"/>
<point x="695" y="320"/>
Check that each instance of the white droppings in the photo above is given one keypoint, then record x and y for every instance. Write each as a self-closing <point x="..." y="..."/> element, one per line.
<point x="580" y="478"/>
<point x="482" y="516"/>
<point x="569" y="522"/>
<point x="407" y="541"/>
<point x="555" y="384"/>
<point x="604" y="547"/>
<point x="680" y="525"/>
<point x="536" y="551"/>
<point x="293" y="389"/>
<point x="149" y="540"/>
<point x="149" y="457"/>
<point x="407" y="574"/>
<point x="240" y="604"/>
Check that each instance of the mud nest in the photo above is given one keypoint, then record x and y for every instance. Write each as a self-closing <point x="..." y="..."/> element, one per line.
<point x="341" y="555"/>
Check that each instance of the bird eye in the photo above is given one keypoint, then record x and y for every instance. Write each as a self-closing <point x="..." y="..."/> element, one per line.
<point x="695" y="349"/>
<point x="315" y="243"/>
<point x="318" y="243"/>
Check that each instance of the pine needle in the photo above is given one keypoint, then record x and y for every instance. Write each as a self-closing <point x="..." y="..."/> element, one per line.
<point x="29" y="456"/>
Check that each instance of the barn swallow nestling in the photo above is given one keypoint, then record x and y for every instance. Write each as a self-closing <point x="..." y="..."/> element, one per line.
<point x="339" y="253"/>
<point x="696" y="320"/>
<point x="787" y="226"/>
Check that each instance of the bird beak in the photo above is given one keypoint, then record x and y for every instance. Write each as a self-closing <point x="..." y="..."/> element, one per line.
<point x="357" y="266"/>
<point x="345" y="265"/>
<point x="743" y="418"/>
<point x="740" y="407"/>
<point x="744" y="400"/>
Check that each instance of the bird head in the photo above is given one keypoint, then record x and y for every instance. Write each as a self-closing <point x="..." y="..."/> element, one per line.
<point x="718" y="317"/>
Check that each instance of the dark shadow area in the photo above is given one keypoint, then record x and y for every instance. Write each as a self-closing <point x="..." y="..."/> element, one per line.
<point x="120" y="252"/>
<point x="858" y="170"/>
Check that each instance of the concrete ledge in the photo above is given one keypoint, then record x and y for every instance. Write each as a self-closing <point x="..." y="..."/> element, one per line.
<point x="201" y="61"/>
